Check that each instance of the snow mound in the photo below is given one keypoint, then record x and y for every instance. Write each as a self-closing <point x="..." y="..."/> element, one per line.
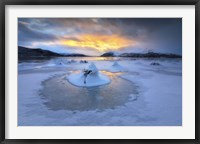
<point x="88" y="77"/>
<point x="93" y="69"/>
<point x="116" y="64"/>
<point x="59" y="62"/>
<point x="116" y="67"/>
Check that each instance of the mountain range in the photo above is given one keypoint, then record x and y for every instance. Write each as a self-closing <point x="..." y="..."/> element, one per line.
<point x="142" y="55"/>
<point x="37" y="53"/>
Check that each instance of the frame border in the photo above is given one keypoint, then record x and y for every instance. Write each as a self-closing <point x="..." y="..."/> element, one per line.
<point x="3" y="4"/>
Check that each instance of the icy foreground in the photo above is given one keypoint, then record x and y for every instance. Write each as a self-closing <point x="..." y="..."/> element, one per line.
<point x="158" y="103"/>
<point x="94" y="78"/>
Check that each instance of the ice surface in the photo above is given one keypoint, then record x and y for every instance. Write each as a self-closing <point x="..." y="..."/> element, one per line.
<point x="159" y="101"/>
<point x="60" y="94"/>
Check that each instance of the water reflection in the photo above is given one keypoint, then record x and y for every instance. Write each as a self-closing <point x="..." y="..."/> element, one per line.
<point x="60" y="94"/>
<point x="112" y="74"/>
<point x="91" y="58"/>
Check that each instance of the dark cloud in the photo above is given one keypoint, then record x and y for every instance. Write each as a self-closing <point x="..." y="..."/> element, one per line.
<point x="26" y="34"/>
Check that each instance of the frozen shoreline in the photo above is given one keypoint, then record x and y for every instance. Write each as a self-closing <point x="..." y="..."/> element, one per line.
<point x="154" y="107"/>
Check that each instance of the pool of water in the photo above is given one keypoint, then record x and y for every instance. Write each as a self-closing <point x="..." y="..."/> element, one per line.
<point x="59" y="94"/>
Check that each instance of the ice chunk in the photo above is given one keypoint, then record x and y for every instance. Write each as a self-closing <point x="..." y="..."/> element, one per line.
<point x="132" y="97"/>
<point x="83" y="61"/>
<point x="155" y="64"/>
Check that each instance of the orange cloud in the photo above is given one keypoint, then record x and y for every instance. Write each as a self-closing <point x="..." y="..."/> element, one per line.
<point x="101" y="43"/>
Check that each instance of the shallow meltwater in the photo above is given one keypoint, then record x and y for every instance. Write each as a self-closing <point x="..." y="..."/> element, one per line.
<point x="59" y="94"/>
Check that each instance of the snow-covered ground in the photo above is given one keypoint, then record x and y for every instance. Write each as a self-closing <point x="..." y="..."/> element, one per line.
<point x="155" y="100"/>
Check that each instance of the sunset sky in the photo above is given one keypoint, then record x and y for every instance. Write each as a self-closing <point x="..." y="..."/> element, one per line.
<point x="95" y="36"/>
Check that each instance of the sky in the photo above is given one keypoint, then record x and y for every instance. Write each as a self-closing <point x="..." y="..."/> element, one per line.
<point x="95" y="36"/>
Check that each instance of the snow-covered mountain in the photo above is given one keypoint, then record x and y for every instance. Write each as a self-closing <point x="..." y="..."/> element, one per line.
<point x="25" y="53"/>
<point x="142" y="55"/>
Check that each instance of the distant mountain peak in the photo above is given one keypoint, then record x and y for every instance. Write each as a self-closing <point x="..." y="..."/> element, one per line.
<point x="108" y="54"/>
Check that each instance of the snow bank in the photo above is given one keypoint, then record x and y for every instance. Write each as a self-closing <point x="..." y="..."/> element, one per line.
<point x="94" y="78"/>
